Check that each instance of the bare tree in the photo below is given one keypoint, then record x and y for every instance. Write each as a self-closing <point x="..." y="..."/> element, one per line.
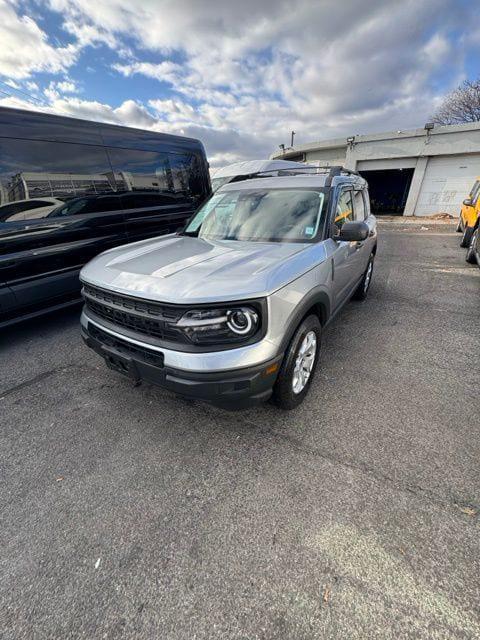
<point x="461" y="105"/>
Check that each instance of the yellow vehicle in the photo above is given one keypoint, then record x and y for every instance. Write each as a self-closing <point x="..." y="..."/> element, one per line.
<point x="469" y="214"/>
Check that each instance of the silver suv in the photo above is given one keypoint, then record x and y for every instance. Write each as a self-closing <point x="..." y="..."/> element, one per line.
<point x="230" y="310"/>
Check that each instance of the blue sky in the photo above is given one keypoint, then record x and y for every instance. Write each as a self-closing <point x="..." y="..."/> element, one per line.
<point x="239" y="76"/>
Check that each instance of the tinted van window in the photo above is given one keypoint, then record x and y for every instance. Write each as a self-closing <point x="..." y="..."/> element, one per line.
<point x="58" y="172"/>
<point x="142" y="172"/>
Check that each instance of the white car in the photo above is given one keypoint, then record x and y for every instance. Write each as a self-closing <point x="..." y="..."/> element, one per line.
<point x="241" y="170"/>
<point x="36" y="207"/>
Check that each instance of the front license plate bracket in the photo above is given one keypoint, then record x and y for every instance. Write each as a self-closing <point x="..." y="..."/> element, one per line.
<point x="121" y="364"/>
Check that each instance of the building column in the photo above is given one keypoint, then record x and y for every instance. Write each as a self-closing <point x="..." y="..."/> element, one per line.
<point x="415" y="186"/>
<point x="351" y="158"/>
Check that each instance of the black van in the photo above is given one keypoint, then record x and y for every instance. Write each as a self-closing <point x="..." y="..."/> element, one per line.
<point x="70" y="189"/>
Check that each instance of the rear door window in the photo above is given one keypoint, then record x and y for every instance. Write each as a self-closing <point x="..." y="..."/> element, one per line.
<point x="359" y="205"/>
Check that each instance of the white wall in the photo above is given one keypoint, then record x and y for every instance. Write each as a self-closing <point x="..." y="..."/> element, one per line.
<point x="392" y="163"/>
<point x="330" y="157"/>
<point x="446" y="161"/>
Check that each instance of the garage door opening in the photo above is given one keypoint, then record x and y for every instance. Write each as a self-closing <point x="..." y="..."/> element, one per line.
<point x="388" y="190"/>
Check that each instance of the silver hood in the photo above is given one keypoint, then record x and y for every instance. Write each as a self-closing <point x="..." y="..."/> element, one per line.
<point x="182" y="269"/>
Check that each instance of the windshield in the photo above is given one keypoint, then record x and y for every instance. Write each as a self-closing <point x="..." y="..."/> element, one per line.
<point x="269" y="215"/>
<point x="219" y="182"/>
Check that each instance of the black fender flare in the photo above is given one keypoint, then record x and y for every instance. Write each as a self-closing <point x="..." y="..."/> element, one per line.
<point x="317" y="301"/>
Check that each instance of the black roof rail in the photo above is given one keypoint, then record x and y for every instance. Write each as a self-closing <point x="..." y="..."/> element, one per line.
<point x="330" y="171"/>
<point x="338" y="170"/>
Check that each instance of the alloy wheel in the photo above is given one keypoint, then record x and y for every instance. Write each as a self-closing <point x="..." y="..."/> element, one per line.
<point x="304" y="362"/>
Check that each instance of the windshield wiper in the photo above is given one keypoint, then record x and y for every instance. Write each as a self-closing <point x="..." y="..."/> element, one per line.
<point x="190" y="234"/>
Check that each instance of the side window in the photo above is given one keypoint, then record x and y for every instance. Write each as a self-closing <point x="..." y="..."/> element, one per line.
<point x="188" y="177"/>
<point x="49" y="173"/>
<point x="360" y="213"/>
<point x="344" y="209"/>
<point x="366" y="200"/>
<point x="149" y="173"/>
<point x="475" y="192"/>
<point x="140" y="171"/>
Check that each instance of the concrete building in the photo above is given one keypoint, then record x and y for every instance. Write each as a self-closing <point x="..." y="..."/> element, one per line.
<point x="417" y="172"/>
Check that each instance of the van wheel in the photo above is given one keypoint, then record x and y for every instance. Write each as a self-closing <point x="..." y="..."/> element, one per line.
<point x="467" y="234"/>
<point x="361" y="291"/>
<point x="470" y="257"/>
<point x="298" y="366"/>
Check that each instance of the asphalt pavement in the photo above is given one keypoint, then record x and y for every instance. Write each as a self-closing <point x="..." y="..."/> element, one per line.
<point x="130" y="513"/>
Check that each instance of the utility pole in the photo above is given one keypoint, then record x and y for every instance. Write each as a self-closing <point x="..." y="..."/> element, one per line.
<point x="293" y="135"/>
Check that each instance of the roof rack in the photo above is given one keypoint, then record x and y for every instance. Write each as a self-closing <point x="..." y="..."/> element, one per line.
<point x="330" y="172"/>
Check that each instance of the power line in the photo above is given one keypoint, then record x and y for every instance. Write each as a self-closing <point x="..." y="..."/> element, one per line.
<point x="42" y="102"/>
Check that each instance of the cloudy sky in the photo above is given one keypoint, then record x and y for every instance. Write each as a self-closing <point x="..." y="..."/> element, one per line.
<point x="239" y="74"/>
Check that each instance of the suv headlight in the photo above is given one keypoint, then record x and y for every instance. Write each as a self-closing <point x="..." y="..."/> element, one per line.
<point x="216" y="326"/>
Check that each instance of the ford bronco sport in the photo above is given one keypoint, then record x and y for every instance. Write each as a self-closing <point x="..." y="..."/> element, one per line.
<point x="231" y="309"/>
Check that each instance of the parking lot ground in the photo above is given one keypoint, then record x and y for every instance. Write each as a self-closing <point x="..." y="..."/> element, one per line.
<point x="129" y="513"/>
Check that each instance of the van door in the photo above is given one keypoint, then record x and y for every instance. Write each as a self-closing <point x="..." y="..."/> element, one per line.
<point x="41" y="255"/>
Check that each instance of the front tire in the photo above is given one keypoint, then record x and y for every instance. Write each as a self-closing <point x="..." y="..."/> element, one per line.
<point x="470" y="257"/>
<point x="298" y="366"/>
<point x="459" y="228"/>
<point x="467" y="234"/>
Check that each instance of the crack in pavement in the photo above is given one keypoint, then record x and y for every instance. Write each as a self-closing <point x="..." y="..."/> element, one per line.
<point x="38" y="378"/>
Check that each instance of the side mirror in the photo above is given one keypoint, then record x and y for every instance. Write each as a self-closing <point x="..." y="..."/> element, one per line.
<point x="467" y="202"/>
<point x="353" y="232"/>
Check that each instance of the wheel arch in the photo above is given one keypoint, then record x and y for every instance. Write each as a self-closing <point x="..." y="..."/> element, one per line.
<point x="318" y="304"/>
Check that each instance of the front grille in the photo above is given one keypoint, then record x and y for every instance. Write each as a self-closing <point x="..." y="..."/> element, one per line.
<point x="147" y="318"/>
<point x="150" y="357"/>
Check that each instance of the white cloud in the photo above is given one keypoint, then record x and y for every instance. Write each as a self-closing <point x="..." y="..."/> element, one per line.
<point x="55" y="90"/>
<point x="261" y="69"/>
<point x="163" y="71"/>
<point x="67" y="86"/>
<point x="242" y="75"/>
<point x="32" y="86"/>
<point x="130" y="113"/>
<point x="13" y="84"/>
<point x="25" y="49"/>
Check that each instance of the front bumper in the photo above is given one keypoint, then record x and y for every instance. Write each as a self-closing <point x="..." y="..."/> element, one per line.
<point x="233" y="389"/>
